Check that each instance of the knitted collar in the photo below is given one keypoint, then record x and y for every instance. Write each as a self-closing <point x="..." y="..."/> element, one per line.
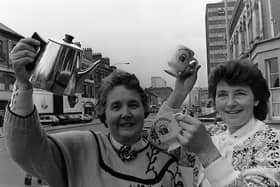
<point x="128" y="152"/>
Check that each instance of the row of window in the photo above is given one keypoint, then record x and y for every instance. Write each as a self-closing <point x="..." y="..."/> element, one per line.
<point x="216" y="39"/>
<point x="5" y="87"/>
<point x="218" y="56"/>
<point x="218" y="9"/>
<point x="217" y="47"/>
<point x="218" y="30"/>
<point x="221" y="51"/>
<point x="218" y="26"/>
<point x="217" y="43"/>
<point x="216" y="22"/>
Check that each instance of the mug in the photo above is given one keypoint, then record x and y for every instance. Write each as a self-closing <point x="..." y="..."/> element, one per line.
<point x="166" y="129"/>
<point x="182" y="58"/>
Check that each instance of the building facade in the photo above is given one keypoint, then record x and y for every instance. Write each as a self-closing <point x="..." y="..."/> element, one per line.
<point x="46" y="102"/>
<point x="215" y="25"/>
<point x="8" y="39"/>
<point x="255" y="34"/>
<point x="159" y="95"/>
<point x="157" y="82"/>
<point x="198" y="100"/>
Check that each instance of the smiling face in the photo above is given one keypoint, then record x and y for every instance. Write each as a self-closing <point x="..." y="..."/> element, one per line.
<point x="124" y="115"/>
<point x="235" y="104"/>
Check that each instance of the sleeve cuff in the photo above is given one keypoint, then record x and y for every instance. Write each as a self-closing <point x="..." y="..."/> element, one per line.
<point x="165" y="108"/>
<point x="220" y="173"/>
<point x="22" y="101"/>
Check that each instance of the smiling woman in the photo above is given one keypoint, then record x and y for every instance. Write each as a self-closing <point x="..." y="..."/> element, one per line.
<point x="240" y="95"/>
<point x="87" y="158"/>
<point x="249" y="148"/>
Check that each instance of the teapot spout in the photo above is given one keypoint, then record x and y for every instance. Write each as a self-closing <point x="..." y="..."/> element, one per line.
<point x="82" y="75"/>
<point x="89" y="69"/>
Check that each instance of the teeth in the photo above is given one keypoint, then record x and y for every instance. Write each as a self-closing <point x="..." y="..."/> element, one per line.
<point x="233" y="112"/>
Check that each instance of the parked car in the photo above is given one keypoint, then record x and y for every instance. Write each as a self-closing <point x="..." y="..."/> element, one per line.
<point x="49" y="120"/>
<point x="63" y="119"/>
<point x="74" y="118"/>
<point x="154" y="109"/>
<point x="86" y="118"/>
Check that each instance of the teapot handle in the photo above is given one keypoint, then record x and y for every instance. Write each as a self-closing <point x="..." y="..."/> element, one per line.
<point x="40" y="49"/>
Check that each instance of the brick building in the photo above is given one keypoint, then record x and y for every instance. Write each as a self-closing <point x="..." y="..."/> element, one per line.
<point x="8" y="39"/>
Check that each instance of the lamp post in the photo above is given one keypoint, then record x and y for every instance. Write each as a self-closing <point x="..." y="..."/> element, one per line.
<point x="120" y="63"/>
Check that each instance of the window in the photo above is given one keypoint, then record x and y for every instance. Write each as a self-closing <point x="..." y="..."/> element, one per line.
<point x="1" y="49"/>
<point x="11" y="86"/>
<point x="84" y="91"/>
<point x="2" y="86"/>
<point x="90" y="91"/>
<point x="274" y="73"/>
<point x="221" y="11"/>
<point x="273" y="81"/>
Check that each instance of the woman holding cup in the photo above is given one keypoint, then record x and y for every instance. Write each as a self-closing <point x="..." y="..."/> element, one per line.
<point x="247" y="154"/>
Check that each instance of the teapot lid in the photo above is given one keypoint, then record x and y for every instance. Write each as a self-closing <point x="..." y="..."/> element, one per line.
<point x="68" y="42"/>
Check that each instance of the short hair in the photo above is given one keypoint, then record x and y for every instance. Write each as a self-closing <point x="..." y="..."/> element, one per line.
<point x="242" y="73"/>
<point x="119" y="78"/>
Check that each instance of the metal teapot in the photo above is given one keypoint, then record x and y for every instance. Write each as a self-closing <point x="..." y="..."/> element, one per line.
<point x="56" y="68"/>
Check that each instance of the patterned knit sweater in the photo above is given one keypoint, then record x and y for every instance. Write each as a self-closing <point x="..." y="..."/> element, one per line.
<point x="84" y="158"/>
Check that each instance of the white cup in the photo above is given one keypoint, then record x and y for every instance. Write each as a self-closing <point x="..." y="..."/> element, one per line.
<point x="179" y="61"/>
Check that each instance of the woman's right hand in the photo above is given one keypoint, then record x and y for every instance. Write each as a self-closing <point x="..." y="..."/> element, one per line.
<point x="22" y="54"/>
<point x="194" y="135"/>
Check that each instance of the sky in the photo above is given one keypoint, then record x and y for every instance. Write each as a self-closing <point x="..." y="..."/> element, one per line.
<point x="144" y="33"/>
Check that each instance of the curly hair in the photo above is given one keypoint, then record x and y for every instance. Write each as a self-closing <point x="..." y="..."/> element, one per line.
<point x="242" y="73"/>
<point x="119" y="78"/>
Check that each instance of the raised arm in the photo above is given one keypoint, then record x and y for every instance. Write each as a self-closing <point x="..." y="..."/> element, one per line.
<point x="26" y="140"/>
<point x="183" y="85"/>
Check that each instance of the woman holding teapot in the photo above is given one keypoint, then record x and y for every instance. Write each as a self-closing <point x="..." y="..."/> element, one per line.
<point x="86" y="158"/>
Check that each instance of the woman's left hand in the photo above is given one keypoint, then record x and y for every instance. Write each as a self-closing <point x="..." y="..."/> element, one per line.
<point x="187" y="78"/>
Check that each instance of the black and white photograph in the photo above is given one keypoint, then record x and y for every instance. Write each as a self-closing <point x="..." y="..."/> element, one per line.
<point x="83" y="83"/>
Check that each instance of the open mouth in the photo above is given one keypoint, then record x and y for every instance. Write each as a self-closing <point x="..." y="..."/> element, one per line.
<point x="126" y="124"/>
<point x="232" y="112"/>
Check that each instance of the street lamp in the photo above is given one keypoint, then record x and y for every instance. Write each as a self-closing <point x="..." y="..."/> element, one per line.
<point x="120" y="63"/>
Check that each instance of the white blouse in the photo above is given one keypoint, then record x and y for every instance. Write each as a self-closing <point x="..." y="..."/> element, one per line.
<point x="250" y="157"/>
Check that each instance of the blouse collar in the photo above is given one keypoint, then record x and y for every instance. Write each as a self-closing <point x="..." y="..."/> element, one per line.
<point x="246" y="130"/>
<point x="140" y="144"/>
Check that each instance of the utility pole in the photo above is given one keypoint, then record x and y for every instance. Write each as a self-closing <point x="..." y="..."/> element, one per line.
<point x="227" y="30"/>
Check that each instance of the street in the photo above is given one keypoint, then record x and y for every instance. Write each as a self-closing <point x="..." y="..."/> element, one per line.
<point x="11" y="175"/>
